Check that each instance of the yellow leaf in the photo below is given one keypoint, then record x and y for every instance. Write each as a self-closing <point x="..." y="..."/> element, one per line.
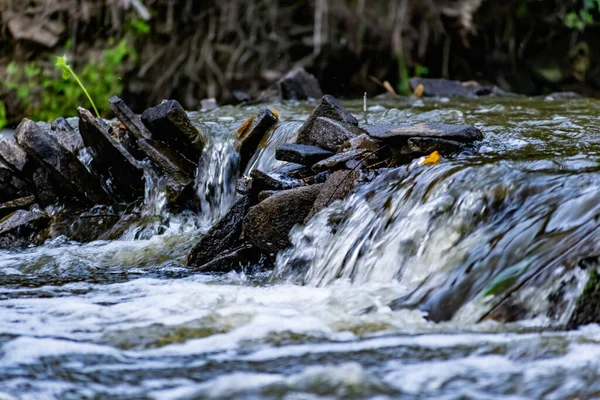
<point x="275" y="113"/>
<point x="418" y="93"/>
<point x="433" y="158"/>
<point x="245" y="125"/>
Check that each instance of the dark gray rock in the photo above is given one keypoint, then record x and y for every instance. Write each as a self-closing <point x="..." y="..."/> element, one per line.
<point x="263" y="181"/>
<point x="224" y="235"/>
<point x="167" y="160"/>
<point x="360" y="142"/>
<point x="12" y="186"/>
<point x="15" y="158"/>
<point x="251" y="133"/>
<point x="110" y="160"/>
<point x="268" y="224"/>
<point x="339" y="160"/>
<point x="66" y="135"/>
<point x="84" y="226"/>
<point x="46" y="189"/>
<point x="11" y="206"/>
<point x="443" y="88"/>
<point x="240" y="96"/>
<point x="169" y="123"/>
<point x="422" y="146"/>
<point x="331" y="109"/>
<point x="23" y="228"/>
<point x="295" y="85"/>
<point x="563" y="96"/>
<point x="336" y="187"/>
<point x="588" y="304"/>
<point x="229" y="260"/>
<point x="265" y="194"/>
<point x="208" y="104"/>
<point x="180" y="193"/>
<point x="301" y="154"/>
<point x="60" y="164"/>
<point x="402" y="132"/>
<point x="132" y="122"/>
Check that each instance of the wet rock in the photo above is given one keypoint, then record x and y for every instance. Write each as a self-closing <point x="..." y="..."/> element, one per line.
<point x="339" y="160"/>
<point x="250" y="134"/>
<point x="67" y="136"/>
<point x="132" y="122"/>
<point x="400" y="134"/>
<point x="295" y="85"/>
<point x="110" y="160"/>
<point x="333" y="116"/>
<point x="23" y="228"/>
<point x="443" y="88"/>
<point x="208" y="104"/>
<point x="46" y="189"/>
<point x="422" y="146"/>
<point x="363" y="141"/>
<point x="263" y="181"/>
<point x="301" y="154"/>
<point x="229" y="260"/>
<point x="265" y="194"/>
<point x="60" y="164"/>
<point x="169" y="123"/>
<point x="84" y="226"/>
<point x="11" y="186"/>
<point x="166" y="159"/>
<point x="268" y="224"/>
<point x="180" y="194"/>
<point x="11" y="206"/>
<point x="588" y="304"/>
<point x="224" y="235"/>
<point x="336" y="187"/>
<point x="563" y="96"/>
<point x="15" y="158"/>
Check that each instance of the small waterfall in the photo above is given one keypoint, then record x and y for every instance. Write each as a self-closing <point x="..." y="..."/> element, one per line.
<point x="264" y="158"/>
<point x="452" y="232"/>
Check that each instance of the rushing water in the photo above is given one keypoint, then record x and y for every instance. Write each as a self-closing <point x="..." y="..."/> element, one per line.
<point x="348" y="311"/>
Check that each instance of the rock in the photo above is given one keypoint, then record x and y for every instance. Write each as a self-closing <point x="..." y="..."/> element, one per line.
<point x="402" y="132"/>
<point x="132" y="122"/>
<point x="23" y="228"/>
<point x="422" y="146"/>
<point x="229" y="260"/>
<point x="588" y="304"/>
<point x="268" y="224"/>
<point x="301" y="154"/>
<point x="563" y="96"/>
<point x="166" y="159"/>
<point x="169" y="123"/>
<point x="265" y="194"/>
<point x="15" y="158"/>
<point x="208" y="104"/>
<point x="240" y="96"/>
<point x="339" y="160"/>
<point x="44" y="32"/>
<point x="224" y="235"/>
<point x="263" y="181"/>
<point x="11" y="206"/>
<point x="61" y="165"/>
<point x="180" y="193"/>
<point x="11" y="186"/>
<point x="332" y="110"/>
<point x="443" y="88"/>
<point x="66" y="135"/>
<point x="336" y="187"/>
<point x="110" y="160"/>
<point x="250" y="134"/>
<point x="46" y="189"/>
<point x="295" y="85"/>
<point x="85" y="226"/>
<point x="360" y="142"/>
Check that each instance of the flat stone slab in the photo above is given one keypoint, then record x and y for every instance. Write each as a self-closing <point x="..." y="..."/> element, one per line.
<point x="421" y="146"/>
<point x="21" y="203"/>
<point x="330" y="134"/>
<point x="251" y="133"/>
<point x="264" y="181"/>
<point x="403" y="132"/>
<point x="125" y="176"/>
<point x="132" y="122"/>
<point x="22" y="228"/>
<point x="301" y="154"/>
<point x="60" y="164"/>
<point x="339" y="160"/>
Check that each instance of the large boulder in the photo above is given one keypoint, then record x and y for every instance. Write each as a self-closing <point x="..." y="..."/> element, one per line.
<point x="337" y="187"/>
<point x="169" y="123"/>
<point x="223" y="236"/>
<point x="62" y="166"/>
<point x="301" y="154"/>
<point x="23" y="228"/>
<point x="328" y="115"/>
<point x="267" y="224"/>
<point x="110" y="160"/>
<point x="251" y="133"/>
<point x="295" y="85"/>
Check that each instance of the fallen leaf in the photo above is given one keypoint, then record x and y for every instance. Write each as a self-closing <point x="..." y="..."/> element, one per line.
<point x="388" y="88"/>
<point x="433" y="158"/>
<point x="275" y="113"/>
<point x="245" y="125"/>
<point x="418" y="93"/>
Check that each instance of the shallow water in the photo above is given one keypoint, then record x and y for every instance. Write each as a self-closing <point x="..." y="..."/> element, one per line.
<point x="125" y="319"/>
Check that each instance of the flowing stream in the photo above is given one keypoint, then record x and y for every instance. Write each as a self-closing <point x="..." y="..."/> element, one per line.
<point x="379" y="297"/>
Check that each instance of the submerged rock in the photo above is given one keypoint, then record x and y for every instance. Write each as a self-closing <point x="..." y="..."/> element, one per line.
<point x="61" y="165"/>
<point x="110" y="160"/>
<point x="403" y="132"/>
<point x="250" y="134"/>
<point x="295" y="85"/>
<point x="23" y="228"/>
<point x="328" y="115"/>
<point x="223" y="236"/>
<point x="268" y="224"/>
<point x="337" y="187"/>
<point x="301" y="154"/>
<point x="169" y="123"/>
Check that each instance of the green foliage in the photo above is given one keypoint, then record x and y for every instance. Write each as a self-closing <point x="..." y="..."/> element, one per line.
<point x="582" y="18"/>
<point x="45" y="96"/>
<point x="404" y="74"/>
<point x="3" y="117"/>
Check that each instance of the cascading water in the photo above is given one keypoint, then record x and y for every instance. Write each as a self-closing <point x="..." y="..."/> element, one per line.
<point x="347" y="312"/>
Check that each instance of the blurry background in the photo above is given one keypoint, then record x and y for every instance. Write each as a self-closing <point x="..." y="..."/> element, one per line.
<point x="149" y="50"/>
